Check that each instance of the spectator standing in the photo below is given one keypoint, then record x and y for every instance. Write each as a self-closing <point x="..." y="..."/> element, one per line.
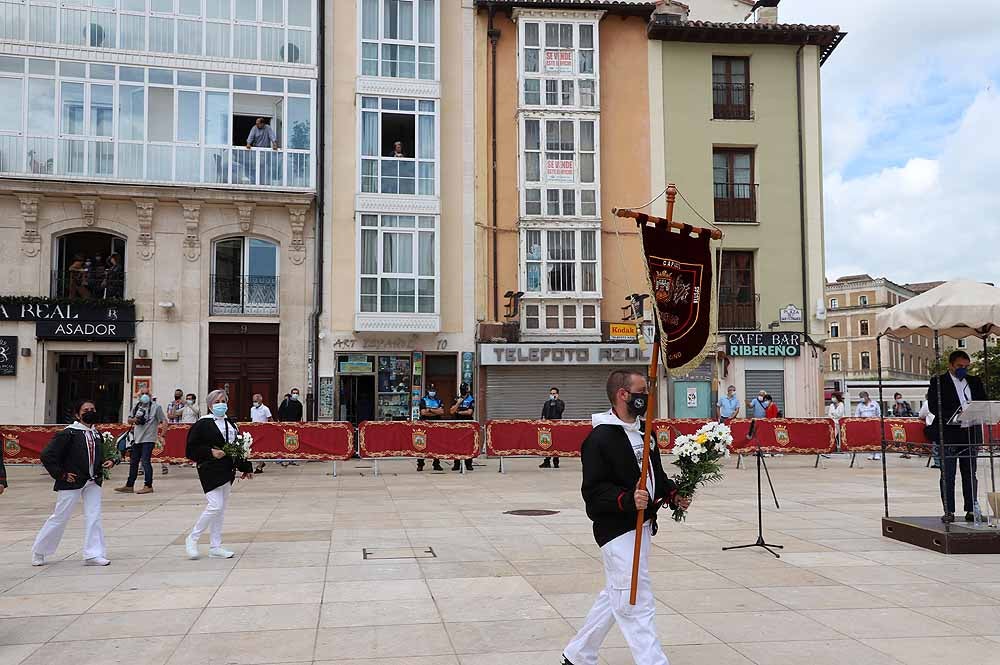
<point x="431" y="409"/>
<point x="552" y="410"/>
<point x="174" y="410"/>
<point x="901" y="408"/>
<point x="770" y="408"/>
<point x="190" y="412"/>
<point x="290" y="410"/>
<point x="262" y="136"/>
<point x="868" y="409"/>
<point x="758" y="407"/>
<point x="259" y="413"/>
<point x="728" y="407"/>
<point x="463" y="409"/>
<point x="146" y="418"/>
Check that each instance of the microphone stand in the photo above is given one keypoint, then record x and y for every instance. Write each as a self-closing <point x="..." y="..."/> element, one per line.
<point x="752" y="436"/>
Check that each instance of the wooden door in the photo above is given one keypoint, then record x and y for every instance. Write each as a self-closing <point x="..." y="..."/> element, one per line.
<point x="244" y="363"/>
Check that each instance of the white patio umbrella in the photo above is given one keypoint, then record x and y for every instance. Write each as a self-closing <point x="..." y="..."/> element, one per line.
<point x="955" y="309"/>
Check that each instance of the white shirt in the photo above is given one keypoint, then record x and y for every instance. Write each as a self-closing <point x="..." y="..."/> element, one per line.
<point x="634" y="433"/>
<point x="228" y="431"/>
<point x="189" y="414"/>
<point x="962" y="388"/>
<point x="260" y="414"/>
<point x="869" y="410"/>
<point x="835" y="411"/>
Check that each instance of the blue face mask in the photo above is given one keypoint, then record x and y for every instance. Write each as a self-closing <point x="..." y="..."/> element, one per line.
<point x="961" y="373"/>
<point x="144" y="399"/>
<point x="219" y="410"/>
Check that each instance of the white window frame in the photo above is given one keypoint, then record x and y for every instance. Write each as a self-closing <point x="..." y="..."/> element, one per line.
<point x="381" y="159"/>
<point x="217" y="308"/>
<point x="834" y="330"/>
<point x="862" y="324"/>
<point x="361" y="225"/>
<point x="545" y="184"/>
<point x="541" y="317"/>
<point x="861" y="361"/>
<point x="834" y="362"/>
<point x="834" y="303"/>
<point x="961" y="344"/>
<point x="415" y="43"/>
<point x="575" y="20"/>
<point x="862" y="301"/>
<point x="578" y="261"/>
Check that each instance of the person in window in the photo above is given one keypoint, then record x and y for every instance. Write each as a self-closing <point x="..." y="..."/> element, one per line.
<point x="397" y="150"/>
<point x="432" y="409"/>
<point x="290" y="410"/>
<point x="75" y="459"/>
<point x="262" y="136"/>
<point x="114" y="281"/>
<point x="78" y="278"/>
<point x="552" y="410"/>
<point x="97" y="269"/>
<point x="463" y="409"/>
<point x="216" y="471"/>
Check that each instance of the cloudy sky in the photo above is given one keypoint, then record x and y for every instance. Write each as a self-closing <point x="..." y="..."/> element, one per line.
<point x="911" y="122"/>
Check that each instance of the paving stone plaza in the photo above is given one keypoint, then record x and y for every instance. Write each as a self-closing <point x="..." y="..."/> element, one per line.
<point x="427" y="569"/>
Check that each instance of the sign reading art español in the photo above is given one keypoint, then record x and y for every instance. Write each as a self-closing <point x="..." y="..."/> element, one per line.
<point x="764" y="345"/>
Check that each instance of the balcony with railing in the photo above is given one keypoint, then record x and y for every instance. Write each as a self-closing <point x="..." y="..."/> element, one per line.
<point x="731" y="100"/>
<point x="248" y="294"/>
<point x="738" y="312"/>
<point x="160" y="163"/>
<point x="88" y="284"/>
<point x="735" y="202"/>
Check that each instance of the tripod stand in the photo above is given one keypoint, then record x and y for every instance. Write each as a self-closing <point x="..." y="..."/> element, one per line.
<point x="752" y="436"/>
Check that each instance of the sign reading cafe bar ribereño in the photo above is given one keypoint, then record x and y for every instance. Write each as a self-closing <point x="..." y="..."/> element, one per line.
<point x="761" y="344"/>
<point x="74" y="321"/>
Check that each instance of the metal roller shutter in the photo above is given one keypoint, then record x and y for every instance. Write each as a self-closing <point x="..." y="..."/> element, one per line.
<point x="771" y="381"/>
<point x="518" y="392"/>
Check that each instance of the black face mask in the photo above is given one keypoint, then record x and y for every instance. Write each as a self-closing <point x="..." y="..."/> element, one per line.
<point x="89" y="417"/>
<point x="637" y="403"/>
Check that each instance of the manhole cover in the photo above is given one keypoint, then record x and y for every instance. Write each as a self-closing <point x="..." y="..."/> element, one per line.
<point x="531" y="513"/>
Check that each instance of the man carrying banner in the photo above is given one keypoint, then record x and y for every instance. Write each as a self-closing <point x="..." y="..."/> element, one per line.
<point x="611" y="456"/>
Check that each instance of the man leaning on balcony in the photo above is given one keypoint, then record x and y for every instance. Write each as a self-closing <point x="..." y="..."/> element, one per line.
<point x="262" y="136"/>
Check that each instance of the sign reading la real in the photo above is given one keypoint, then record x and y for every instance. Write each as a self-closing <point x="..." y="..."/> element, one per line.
<point x="74" y="321"/>
<point x="761" y="344"/>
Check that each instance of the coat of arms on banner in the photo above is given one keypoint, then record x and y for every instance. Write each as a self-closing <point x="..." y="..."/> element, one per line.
<point x="898" y="434"/>
<point x="159" y="446"/>
<point x="420" y="439"/>
<point x="544" y="438"/>
<point x="663" y="438"/>
<point x="11" y="448"/>
<point x="291" y="440"/>
<point x="677" y="289"/>
<point x="781" y="435"/>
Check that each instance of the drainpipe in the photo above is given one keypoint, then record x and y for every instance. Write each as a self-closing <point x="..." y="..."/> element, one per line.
<point x="494" y="35"/>
<point x="312" y="412"/>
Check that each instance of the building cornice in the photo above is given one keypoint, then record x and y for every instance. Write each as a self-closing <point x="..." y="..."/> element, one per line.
<point x="51" y="188"/>
<point x="394" y="87"/>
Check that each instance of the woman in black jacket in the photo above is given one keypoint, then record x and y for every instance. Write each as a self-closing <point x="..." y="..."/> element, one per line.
<point x="74" y="458"/>
<point x="216" y="470"/>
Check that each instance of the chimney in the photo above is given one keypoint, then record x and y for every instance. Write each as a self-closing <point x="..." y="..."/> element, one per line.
<point x="674" y="10"/>
<point x="767" y="15"/>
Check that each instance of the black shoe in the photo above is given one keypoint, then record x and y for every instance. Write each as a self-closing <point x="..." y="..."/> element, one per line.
<point x="420" y="465"/>
<point x="969" y="517"/>
<point x="457" y="466"/>
<point x="565" y="661"/>
<point x="468" y="465"/>
<point x="260" y="468"/>
<point x="546" y="464"/>
<point x="935" y="466"/>
<point x="437" y="465"/>
<point x="555" y="462"/>
<point x="948" y="518"/>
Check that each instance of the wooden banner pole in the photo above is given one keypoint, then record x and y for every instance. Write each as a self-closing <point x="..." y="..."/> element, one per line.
<point x="644" y="474"/>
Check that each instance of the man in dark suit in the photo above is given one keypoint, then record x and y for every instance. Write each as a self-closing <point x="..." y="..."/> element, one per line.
<point x="955" y="389"/>
<point x="552" y="410"/>
<point x="611" y="456"/>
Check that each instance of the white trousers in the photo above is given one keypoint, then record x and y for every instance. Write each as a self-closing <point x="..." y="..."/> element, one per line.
<point x="637" y="622"/>
<point x="52" y="531"/>
<point x="213" y="515"/>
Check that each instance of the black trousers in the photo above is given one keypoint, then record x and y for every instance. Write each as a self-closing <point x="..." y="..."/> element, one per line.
<point x="962" y="458"/>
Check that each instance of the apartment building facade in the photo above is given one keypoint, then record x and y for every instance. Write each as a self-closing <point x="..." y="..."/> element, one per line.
<point x="145" y="244"/>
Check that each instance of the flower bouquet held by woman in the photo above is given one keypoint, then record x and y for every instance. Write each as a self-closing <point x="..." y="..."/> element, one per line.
<point x="699" y="457"/>
<point x="109" y="448"/>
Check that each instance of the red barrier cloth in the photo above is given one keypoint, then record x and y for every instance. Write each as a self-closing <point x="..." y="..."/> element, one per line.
<point x="804" y="436"/>
<point x="862" y="434"/>
<point x="420" y="438"/>
<point x="23" y="444"/>
<point x="540" y="438"/>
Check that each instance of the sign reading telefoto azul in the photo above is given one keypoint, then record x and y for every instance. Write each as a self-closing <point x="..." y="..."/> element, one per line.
<point x="761" y="344"/>
<point x="46" y="311"/>
<point x="562" y="354"/>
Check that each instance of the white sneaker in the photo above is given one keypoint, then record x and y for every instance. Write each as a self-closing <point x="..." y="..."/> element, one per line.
<point x="97" y="561"/>
<point x="191" y="545"/>
<point x="220" y="553"/>
<point x="37" y="559"/>
<point x="876" y="457"/>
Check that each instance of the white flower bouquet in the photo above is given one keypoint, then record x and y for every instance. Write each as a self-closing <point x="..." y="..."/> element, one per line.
<point x="241" y="448"/>
<point x="699" y="457"/>
<point x="109" y="451"/>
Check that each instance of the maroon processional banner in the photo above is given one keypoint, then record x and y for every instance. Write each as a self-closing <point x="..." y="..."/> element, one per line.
<point x="803" y="436"/>
<point x="862" y="434"/>
<point x="680" y="278"/>
<point x="540" y="438"/>
<point x="419" y="438"/>
<point x="328" y="441"/>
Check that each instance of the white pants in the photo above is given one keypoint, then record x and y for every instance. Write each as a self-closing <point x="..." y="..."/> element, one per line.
<point x="211" y="519"/>
<point x="637" y="622"/>
<point x="48" y="538"/>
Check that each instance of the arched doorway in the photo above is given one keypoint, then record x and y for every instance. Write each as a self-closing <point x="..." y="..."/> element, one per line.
<point x="88" y="265"/>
